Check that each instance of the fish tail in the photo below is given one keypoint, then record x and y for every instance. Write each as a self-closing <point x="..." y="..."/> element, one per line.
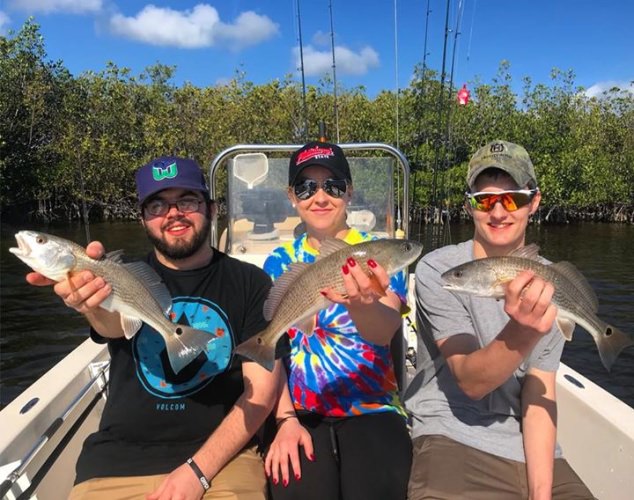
<point x="185" y="345"/>
<point x="610" y="343"/>
<point x="257" y="350"/>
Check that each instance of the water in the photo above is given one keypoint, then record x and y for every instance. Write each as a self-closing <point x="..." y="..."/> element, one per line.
<point x="37" y="330"/>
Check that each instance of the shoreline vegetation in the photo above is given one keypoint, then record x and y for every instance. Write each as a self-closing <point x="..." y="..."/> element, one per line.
<point x="69" y="144"/>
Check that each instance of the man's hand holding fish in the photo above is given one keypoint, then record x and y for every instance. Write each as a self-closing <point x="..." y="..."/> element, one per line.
<point x="528" y="302"/>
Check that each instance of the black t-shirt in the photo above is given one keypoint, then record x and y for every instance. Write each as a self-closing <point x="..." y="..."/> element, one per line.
<point x="153" y="419"/>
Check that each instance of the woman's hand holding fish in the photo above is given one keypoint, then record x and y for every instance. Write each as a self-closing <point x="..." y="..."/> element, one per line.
<point x="290" y="436"/>
<point x="374" y="309"/>
<point x="361" y="288"/>
<point x="528" y="301"/>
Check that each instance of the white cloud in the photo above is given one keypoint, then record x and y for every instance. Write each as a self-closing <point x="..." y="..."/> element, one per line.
<point x="598" y="88"/>
<point x="198" y="27"/>
<point x="321" y="38"/>
<point x="4" y="23"/>
<point x="316" y="62"/>
<point x="48" y="6"/>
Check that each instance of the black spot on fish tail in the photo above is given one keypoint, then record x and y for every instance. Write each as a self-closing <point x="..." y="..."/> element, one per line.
<point x="259" y="351"/>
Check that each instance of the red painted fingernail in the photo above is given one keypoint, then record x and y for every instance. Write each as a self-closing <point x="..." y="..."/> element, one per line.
<point x="351" y="262"/>
<point x="285" y="483"/>
<point x="298" y="477"/>
<point x="322" y="292"/>
<point x="275" y="481"/>
<point x="372" y="263"/>
<point x="311" y="457"/>
<point x="345" y="269"/>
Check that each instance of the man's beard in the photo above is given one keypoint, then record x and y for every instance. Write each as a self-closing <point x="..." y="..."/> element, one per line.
<point x="182" y="249"/>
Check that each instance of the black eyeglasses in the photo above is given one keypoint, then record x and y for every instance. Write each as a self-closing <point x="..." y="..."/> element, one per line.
<point x="511" y="200"/>
<point x="305" y="189"/>
<point x="159" y="207"/>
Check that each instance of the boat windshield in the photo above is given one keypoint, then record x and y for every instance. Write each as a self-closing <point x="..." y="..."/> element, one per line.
<point x="260" y="216"/>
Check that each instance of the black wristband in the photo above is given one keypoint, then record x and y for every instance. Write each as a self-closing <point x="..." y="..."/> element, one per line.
<point x="199" y="474"/>
<point x="279" y="422"/>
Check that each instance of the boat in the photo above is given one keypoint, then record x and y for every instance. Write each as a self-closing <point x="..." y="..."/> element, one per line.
<point x="44" y="427"/>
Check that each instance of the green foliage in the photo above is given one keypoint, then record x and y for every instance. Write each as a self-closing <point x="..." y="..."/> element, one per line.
<point x="68" y="142"/>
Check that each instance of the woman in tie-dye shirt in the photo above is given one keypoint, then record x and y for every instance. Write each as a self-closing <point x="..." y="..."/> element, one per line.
<point x="341" y="401"/>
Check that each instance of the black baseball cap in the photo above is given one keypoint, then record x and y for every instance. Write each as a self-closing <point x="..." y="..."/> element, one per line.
<point x="320" y="153"/>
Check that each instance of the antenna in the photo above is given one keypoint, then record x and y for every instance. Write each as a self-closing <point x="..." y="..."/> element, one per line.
<point x="425" y="44"/>
<point x="334" y="70"/>
<point x="399" y="223"/>
<point x="301" y="59"/>
<point x="396" y="68"/>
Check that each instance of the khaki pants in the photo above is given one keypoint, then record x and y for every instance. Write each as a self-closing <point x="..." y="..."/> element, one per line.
<point x="241" y="479"/>
<point x="445" y="469"/>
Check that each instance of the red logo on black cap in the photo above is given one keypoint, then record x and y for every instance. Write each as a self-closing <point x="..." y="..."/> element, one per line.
<point x="316" y="152"/>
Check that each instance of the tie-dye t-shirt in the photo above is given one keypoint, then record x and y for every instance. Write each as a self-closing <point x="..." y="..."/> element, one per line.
<point x="332" y="370"/>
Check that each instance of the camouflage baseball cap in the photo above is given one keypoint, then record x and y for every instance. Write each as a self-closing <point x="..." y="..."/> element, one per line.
<point x="511" y="158"/>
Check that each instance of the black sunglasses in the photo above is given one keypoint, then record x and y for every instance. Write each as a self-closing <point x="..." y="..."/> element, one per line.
<point x="307" y="188"/>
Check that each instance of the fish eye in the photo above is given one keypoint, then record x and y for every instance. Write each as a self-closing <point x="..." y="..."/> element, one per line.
<point x="458" y="273"/>
<point x="40" y="239"/>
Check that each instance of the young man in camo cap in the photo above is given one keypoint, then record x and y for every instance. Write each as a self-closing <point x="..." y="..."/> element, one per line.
<point x="483" y="405"/>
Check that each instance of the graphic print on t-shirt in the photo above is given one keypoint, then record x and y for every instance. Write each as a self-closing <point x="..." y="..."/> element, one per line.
<point x="150" y="355"/>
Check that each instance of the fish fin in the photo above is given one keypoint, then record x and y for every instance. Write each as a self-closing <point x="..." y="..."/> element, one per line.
<point x="257" y="350"/>
<point x="307" y="325"/>
<point x="330" y="246"/>
<point x="566" y="327"/>
<point x="130" y="326"/>
<point x="150" y="278"/>
<point x="530" y="251"/>
<point x="280" y="287"/>
<point x="108" y="304"/>
<point x="376" y="286"/>
<point x="70" y="283"/>
<point x="114" y="256"/>
<point x="184" y="344"/>
<point x="586" y="294"/>
<point x="610" y="342"/>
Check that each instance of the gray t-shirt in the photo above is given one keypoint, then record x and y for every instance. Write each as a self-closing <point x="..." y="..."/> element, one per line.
<point x="434" y="400"/>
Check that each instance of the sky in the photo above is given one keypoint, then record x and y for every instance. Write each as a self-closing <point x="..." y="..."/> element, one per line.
<point x="377" y="43"/>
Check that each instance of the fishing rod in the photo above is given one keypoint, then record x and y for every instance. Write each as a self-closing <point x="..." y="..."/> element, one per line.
<point x="99" y="379"/>
<point x="334" y="71"/>
<point x="301" y="59"/>
<point x="448" y="135"/>
<point x="439" y="106"/>
<point x="425" y="53"/>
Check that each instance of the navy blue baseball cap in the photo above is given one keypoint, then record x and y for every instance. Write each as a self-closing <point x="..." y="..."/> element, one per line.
<point x="169" y="172"/>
